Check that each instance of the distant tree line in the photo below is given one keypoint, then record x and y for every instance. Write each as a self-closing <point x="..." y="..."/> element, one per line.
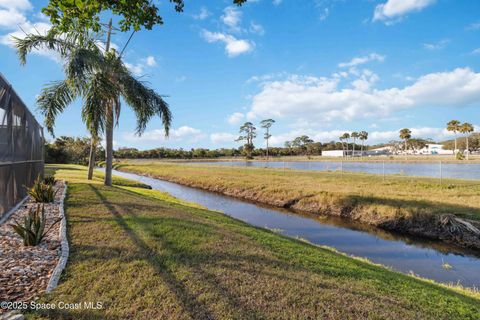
<point x="71" y="150"/>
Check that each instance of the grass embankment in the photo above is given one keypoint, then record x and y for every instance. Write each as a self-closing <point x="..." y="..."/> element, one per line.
<point x="408" y="205"/>
<point x="146" y="255"/>
<point x="473" y="159"/>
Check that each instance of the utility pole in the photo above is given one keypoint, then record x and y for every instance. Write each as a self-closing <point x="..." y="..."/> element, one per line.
<point x="109" y="125"/>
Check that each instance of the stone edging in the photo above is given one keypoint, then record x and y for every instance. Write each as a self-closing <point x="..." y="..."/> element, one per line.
<point x="62" y="261"/>
<point x="8" y="214"/>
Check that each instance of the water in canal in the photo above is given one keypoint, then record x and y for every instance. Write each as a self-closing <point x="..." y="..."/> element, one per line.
<point x="419" y="169"/>
<point x="405" y="254"/>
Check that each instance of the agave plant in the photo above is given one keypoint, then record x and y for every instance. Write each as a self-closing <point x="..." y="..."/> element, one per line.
<point x="49" y="180"/>
<point x="33" y="230"/>
<point x="42" y="192"/>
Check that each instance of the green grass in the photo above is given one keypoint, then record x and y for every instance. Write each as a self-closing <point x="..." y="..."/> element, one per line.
<point x="146" y="255"/>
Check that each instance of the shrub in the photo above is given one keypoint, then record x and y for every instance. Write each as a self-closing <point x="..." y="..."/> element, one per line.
<point x="33" y="230"/>
<point x="460" y="156"/>
<point x="42" y="192"/>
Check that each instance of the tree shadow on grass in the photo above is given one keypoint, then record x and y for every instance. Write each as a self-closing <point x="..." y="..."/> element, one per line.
<point x="191" y="305"/>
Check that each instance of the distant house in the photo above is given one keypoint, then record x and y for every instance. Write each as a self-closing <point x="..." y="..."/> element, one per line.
<point x="434" y="149"/>
<point x="379" y="151"/>
<point x="333" y="153"/>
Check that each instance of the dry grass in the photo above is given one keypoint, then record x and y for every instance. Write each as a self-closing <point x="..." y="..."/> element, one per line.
<point x="406" y="204"/>
<point x="147" y="257"/>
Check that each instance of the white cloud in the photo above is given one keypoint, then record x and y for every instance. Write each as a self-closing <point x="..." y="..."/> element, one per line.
<point x="236" y="118"/>
<point x="183" y="133"/>
<point x="140" y="67"/>
<point x="11" y="19"/>
<point x="437" y="45"/>
<point x="203" y="14"/>
<point x="314" y="99"/>
<point x="233" y="46"/>
<point x="22" y="5"/>
<point x="474" y="26"/>
<point x="277" y="2"/>
<point x="232" y="17"/>
<point x="396" y="9"/>
<point x="476" y="51"/>
<point x="256" y="28"/>
<point x="361" y="60"/>
<point x="150" y="61"/>
<point x="180" y="79"/>
<point x="222" y="137"/>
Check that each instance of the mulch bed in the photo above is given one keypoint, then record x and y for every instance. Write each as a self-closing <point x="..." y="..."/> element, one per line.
<point x="26" y="271"/>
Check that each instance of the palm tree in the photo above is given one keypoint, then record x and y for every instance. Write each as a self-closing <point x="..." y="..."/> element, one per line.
<point x="466" y="128"/>
<point x="346" y="137"/>
<point x="101" y="79"/>
<point x="266" y="124"/>
<point x="454" y="126"/>
<point x="363" y="135"/>
<point x="405" y="135"/>
<point x="341" y="138"/>
<point x="248" y="132"/>
<point x="354" y="136"/>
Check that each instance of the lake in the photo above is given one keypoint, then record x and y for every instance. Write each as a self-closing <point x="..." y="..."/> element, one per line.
<point x="432" y="169"/>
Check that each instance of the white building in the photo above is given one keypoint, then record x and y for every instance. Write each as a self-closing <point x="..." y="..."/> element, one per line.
<point x="333" y="153"/>
<point x="434" y="149"/>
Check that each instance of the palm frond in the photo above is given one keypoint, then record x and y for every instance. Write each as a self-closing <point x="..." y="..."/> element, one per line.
<point x="144" y="101"/>
<point x="82" y="63"/>
<point x="99" y="93"/>
<point x="53" y="100"/>
<point x="50" y="41"/>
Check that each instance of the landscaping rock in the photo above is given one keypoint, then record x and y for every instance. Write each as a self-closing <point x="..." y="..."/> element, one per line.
<point x="26" y="271"/>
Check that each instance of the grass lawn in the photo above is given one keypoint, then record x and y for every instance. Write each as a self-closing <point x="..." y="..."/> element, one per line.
<point x="146" y="255"/>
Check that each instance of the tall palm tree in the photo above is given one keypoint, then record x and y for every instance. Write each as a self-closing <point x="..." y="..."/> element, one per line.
<point x="346" y="137"/>
<point x="363" y="135"/>
<point x="341" y="138"/>
<point x="101" y="79"/>
<point x="354" y="136"/>
<point x="405" y="135"/>
<point x="266" y="124"/>
<point x="454" y="126"/>
<point x="466" y="128"/>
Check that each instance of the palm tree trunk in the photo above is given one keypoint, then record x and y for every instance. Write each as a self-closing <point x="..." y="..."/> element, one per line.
<point x="353" y="149"/>
<point x="267" y="148"/>
<point x="91" y="161"/>
<point x="467" y="146"/>
<point x="109" y="145"/>
<point x="455" y="151"/>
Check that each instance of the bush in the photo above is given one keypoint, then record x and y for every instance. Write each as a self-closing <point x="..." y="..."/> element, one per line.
<point x="33" y="230"/>
<point x="42" y="192"/>
<point x="460" y="156"/>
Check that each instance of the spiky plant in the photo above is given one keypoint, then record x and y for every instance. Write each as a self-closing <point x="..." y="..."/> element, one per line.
<point x="33" y="229"/>
<point x="42" y="192"/>
<point x="49" y="180"/>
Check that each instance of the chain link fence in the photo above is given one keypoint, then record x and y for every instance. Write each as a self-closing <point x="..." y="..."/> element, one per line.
<point x="21" y="148"/>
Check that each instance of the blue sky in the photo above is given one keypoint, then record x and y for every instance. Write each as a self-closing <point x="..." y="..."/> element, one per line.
<point x="318" y="67"/>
